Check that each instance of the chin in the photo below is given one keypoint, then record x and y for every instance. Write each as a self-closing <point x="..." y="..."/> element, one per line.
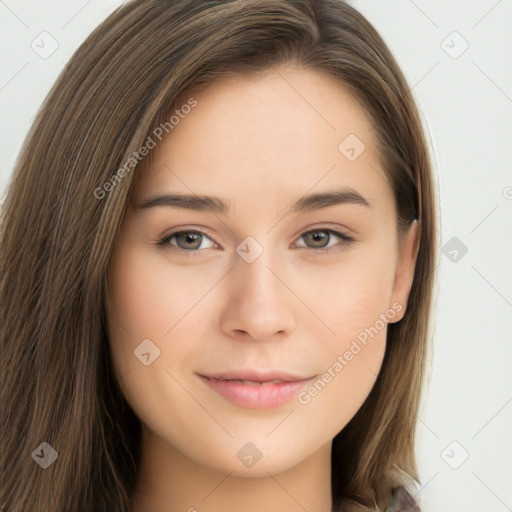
<point x="246" y="461"/>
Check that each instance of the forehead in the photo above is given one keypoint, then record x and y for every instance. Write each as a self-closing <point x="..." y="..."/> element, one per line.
<point x="282" y="133"/>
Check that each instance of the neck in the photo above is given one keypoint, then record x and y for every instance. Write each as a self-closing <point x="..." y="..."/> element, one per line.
<point x="170" y="482"/>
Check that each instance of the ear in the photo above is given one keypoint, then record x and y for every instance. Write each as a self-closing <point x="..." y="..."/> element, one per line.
<point x="404" y="273"/>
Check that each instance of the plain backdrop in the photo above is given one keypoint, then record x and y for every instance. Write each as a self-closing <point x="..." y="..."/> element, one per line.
<point x="457" y="58"/>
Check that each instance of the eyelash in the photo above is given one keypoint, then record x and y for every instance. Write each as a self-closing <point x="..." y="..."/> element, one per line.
<point x="165" y="241"/>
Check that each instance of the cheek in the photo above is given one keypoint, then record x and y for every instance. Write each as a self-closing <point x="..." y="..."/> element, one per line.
<point x="350" y="293"/>
<point x="352" y="300"/>
<point x="351" y="359"/>
<point x="345" y="383"/>
<point x="137" y="307"/>
<point x="150" y="296"/>
<point x="151" y="299"/>
<point x="149" y="302"/>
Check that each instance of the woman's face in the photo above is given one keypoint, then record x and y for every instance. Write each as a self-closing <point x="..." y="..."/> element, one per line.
<point x="256" y="285"/>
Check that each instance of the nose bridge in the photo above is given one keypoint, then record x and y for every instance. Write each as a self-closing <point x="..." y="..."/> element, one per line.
<point x="258" y="302"/>
<point x="253" y="268"/>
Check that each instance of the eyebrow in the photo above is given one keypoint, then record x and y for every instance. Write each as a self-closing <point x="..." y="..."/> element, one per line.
<point x="217" y="205"/>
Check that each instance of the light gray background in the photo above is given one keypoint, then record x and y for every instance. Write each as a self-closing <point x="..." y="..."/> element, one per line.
<point x="466" y="100"/>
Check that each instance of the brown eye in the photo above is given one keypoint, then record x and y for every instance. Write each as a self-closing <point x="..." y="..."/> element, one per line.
<point x="186" y="240"/>
<point x="321" y="238"/>
<point x="317" y="238"/>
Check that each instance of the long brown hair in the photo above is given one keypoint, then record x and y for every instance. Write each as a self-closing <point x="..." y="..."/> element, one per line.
<point x="66" y="200"/>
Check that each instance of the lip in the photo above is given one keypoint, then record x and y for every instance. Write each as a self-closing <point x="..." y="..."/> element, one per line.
<point x="262" y="389"/>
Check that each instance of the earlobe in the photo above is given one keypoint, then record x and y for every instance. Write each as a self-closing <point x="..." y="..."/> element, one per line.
<point x="404" y="274"/>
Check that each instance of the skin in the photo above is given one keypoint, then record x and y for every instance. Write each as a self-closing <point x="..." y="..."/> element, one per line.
<point x="293" y="308"/>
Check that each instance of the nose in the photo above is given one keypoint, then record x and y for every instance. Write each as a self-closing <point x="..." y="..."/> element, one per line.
<point x="258" y="304"/>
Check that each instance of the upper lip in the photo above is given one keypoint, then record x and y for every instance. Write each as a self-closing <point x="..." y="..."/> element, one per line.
<point x="255" y="375"/>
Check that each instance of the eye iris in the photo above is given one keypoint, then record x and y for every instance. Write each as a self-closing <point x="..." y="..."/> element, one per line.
<point x="189" y="237"/>
<point x="318" y="236"/>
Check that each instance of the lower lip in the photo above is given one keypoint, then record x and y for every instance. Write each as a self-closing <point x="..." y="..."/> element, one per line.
<point x="256" y="396"/>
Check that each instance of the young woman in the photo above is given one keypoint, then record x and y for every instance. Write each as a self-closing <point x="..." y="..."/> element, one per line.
<point x="218" y="255"/>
